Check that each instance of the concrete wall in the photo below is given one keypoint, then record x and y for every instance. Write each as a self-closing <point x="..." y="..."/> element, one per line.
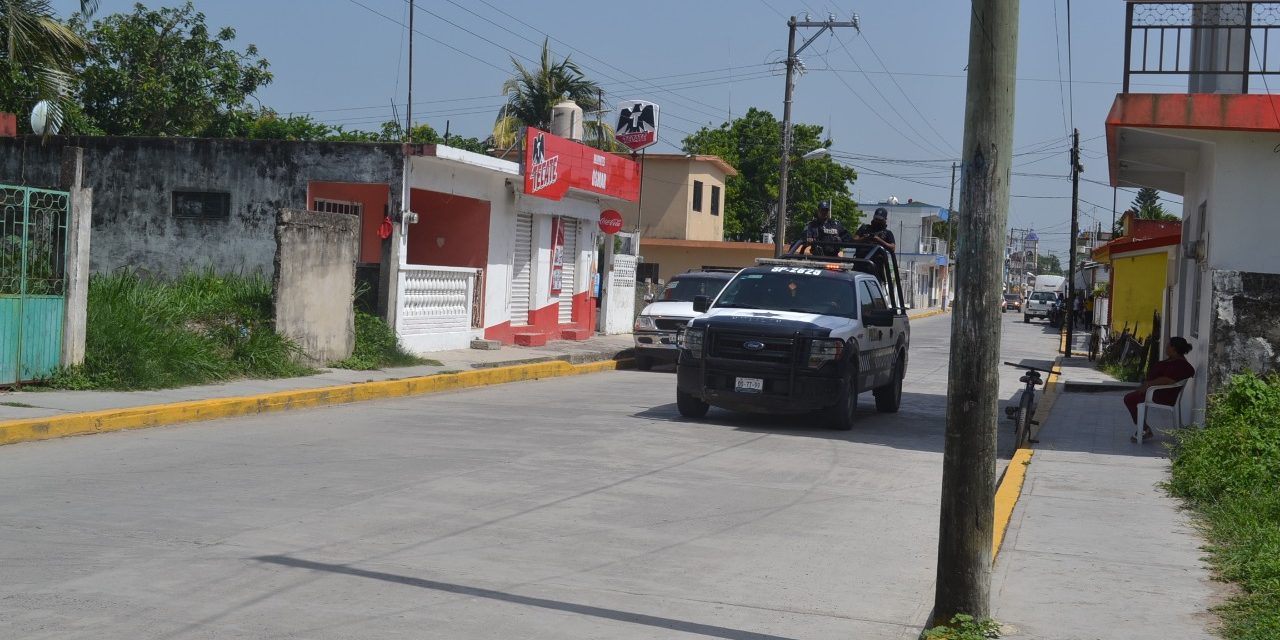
<point x="1137" y="290"/>
<point x="1245" y="335"/>
<point x="315" y="267"/>
<point x="675" y="259"/>
<point x="133" y="180"/>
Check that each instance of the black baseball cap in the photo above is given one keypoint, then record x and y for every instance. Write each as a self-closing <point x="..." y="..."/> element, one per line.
<point x="825" y="205"/>
<point x="882" y="214"/>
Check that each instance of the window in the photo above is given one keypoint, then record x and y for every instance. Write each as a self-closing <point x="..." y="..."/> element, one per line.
<point x="686" y="288"/>
<point x="338" y="206"/>
<point x="877" y="298"/>
<point x="697" y="195"/>
<point x="202" y="205"/>
<point x="715" y="200"/>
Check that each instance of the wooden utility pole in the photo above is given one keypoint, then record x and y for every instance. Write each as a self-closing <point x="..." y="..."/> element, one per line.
<point x="1070" y="315"/>
<point x="973" y="378"/>
<point x="793" y="61"/>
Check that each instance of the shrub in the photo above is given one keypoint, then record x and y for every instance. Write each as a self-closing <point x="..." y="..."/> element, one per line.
<point x="377" y="347"/>
<point x="1229" y="471"/>
<point x="964" y="627"/>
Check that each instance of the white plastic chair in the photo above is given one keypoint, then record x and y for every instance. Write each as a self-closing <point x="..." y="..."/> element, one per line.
<point x="1148" y="403"/>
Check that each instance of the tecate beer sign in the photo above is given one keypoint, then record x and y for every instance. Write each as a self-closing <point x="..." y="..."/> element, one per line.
<point x="637" y="124"/>
<point x="553" y="165"/>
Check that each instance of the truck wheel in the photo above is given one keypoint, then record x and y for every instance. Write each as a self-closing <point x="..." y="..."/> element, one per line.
<point x="691" y="406"/>
<point x="842" y="416"/>
<point x="889" y="396"/>
<point x="644" y="363"/>
<point x="1026" y="318"/>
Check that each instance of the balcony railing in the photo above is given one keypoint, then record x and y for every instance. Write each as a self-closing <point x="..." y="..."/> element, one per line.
<point x="933" y="246"/>
<point x="437" y="299"/>
<point x="1218" y="46"/>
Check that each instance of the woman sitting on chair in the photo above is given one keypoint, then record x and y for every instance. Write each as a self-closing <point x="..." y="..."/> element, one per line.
<point x="1171" y="370"/>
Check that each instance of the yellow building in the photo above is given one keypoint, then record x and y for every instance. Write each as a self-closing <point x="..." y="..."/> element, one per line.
<point x="1139" y="263"/>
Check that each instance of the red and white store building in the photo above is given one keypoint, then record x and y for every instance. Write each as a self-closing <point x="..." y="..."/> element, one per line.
<point x="489" y="251"/>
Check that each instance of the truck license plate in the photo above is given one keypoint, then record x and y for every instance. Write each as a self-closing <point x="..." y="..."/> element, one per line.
<point x="748" y="385"/>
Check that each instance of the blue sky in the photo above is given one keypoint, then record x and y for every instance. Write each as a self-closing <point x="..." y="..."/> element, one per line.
<point x="703" y="60"/>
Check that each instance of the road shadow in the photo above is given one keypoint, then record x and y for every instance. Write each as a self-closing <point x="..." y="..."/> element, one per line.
<point x="658" y="622"/>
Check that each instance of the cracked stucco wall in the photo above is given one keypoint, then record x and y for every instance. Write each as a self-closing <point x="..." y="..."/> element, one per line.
<point x="1246" y="325"/>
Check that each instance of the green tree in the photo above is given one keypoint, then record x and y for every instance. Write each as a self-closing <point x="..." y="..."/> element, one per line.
<point x="751" y="145"/>
<point x="533" y="91"/>
<point x="39" y="56"/>
<point x="164" y="73"/>
<point x="1049" y="265"/>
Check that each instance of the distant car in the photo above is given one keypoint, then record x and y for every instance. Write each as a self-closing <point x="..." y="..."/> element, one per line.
<point x="1041" y="304"/>
<point x="656" y="327"/>
<point x="1012" y="302"/>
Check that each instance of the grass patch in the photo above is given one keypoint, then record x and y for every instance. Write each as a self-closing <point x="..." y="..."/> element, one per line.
<point x="147" y="333"/>
<point x="1229" y="472"/>
<point x="1131" y="372"/>
<point x="377" y="347"/>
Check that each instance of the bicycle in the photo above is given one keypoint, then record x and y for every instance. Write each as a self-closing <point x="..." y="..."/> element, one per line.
<point x="1026" y="409"/>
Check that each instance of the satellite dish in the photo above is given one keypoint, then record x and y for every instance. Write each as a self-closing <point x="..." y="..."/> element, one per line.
<point x="46" y="118"/>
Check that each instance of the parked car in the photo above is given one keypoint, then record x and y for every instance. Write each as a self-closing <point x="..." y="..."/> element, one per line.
<point x="656" y="326"/>
<point x="1012" y="302"/>
<point x="1041" y="304"/>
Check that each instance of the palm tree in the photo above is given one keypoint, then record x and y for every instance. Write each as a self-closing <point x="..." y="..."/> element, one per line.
<point x="531" y="93"/>
<point x="39" y="50"/>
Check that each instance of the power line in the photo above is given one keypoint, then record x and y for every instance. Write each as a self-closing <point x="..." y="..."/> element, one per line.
<point x="428" y="37"/>
<point x="882" y="97"/>
<point x="911" y="102"/>
<point x="1071" y="92"/>
<point x="1057" y="49"/>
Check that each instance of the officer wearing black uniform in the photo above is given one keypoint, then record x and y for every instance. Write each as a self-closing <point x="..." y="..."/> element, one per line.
<point x="877" y="231"/>
<point x="823" y="229"/>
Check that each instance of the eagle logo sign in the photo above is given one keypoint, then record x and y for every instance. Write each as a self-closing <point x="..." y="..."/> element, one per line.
<point x="637" y="124"/>
<point x="539" y="150"/>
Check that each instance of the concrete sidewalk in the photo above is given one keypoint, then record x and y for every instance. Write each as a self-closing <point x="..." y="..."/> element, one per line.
<point x="1096" y="549"/>
<point x="39" y="404"/>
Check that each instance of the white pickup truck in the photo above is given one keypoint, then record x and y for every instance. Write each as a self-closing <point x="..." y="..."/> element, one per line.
<point x="799" y="334"/>
<point x="1041" y="304"/>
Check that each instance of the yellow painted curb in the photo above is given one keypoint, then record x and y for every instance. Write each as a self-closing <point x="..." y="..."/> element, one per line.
<point x="1007" y="496"/>
<point x="1010" y="488"/>
<point x="926" y="314"/>
<point x="103" y="421"/>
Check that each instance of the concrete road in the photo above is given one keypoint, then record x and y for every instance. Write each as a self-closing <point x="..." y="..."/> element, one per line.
<point x="567" y="508"/>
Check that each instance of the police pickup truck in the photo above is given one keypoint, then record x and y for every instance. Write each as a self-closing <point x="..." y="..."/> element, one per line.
<point x="799" y="334"/>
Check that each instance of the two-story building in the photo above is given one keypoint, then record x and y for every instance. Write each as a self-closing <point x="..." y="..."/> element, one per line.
<point x="1217" y="145"/>
<point x="922" y="253"/>
<point x="681" y="217"/>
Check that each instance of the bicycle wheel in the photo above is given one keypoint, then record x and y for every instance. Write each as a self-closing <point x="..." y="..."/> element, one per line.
<point x="1022" y="430"/>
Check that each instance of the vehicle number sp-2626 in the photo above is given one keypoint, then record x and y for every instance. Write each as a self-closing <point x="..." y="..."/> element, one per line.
<point x="800" y="270"/>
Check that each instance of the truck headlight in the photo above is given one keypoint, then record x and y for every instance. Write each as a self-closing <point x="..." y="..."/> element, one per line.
<point x="824" y="350"/>
<point x="691" y="341"/>
<point x="645" y="323"/>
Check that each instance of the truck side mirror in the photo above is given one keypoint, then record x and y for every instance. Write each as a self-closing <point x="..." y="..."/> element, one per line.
<point x="878" y="318"/>
<point x="648" y="297"/>
<point x="701" y="304"/>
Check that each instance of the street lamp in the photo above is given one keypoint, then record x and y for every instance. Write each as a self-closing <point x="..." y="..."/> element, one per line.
<point x="816" y="153"/>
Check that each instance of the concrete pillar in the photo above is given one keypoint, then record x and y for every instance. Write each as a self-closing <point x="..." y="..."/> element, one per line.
<point x="79" y="219"/>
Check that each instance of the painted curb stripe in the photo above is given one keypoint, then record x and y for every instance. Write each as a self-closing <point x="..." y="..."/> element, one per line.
<point x="31" y="429"/>
<point x="1010" y="489"/>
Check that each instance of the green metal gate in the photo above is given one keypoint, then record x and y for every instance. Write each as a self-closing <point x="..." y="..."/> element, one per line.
<point x="33" y="283"/>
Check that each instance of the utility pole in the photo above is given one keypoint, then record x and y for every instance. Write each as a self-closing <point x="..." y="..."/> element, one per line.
<point x="951" y="239"/>
<point x="793" y="61"/>
<point x="1076" y="168"/>
<point x="973" y="381"/>
<point x="408" y="107"/>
